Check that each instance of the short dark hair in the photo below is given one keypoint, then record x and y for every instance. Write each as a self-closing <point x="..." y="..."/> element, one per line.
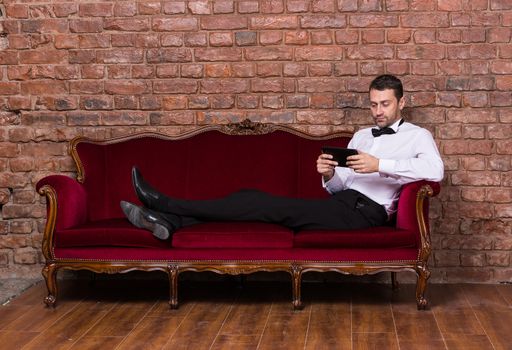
<point x="387" y="81"/>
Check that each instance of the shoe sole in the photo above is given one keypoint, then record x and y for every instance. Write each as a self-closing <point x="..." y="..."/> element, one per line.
<point x="136" y="217"/>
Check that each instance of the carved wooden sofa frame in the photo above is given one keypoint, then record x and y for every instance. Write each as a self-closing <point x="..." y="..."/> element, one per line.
<point x="174" y="267"/>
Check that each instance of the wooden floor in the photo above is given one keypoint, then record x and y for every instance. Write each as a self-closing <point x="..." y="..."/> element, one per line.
<point x="133" y="314"/>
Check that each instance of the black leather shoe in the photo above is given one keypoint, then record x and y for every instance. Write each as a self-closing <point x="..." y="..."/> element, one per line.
<point x="148" y="219"/>
<point x="146" y="194"/>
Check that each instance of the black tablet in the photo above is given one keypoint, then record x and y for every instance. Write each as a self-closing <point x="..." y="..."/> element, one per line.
<point x="339" y="154"/>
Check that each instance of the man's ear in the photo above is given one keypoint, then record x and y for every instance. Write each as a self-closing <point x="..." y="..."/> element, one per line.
<point x="401" y="103"/>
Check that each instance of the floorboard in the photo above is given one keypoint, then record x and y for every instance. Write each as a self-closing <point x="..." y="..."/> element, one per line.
<point x="226" y="314"/>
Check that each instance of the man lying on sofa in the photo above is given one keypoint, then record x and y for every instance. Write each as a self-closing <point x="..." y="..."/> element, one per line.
<point x="364" y="193"/>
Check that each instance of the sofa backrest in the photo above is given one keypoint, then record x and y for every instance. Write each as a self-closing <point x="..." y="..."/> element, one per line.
<point x="206" y="165"/>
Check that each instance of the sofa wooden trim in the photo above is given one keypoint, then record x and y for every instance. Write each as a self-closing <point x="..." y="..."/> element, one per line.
<point x="173" y="268"/>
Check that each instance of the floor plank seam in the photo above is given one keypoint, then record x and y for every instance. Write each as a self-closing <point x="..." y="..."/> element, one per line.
<point x="137" y="324"/>
<point x="478" y="319"/>
<point x="224" y="321"/>
<point x="180" y="324"/>
<point x="309" y="324"/>
<point x="265" y="326"/>
<point x="439" y="328"/>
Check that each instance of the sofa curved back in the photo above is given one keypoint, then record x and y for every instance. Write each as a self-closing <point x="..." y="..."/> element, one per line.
<point x="206" y="165"/>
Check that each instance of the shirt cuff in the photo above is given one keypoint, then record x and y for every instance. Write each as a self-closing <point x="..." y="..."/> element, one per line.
<point x="387" y="166"/>
<point x="335" y="184"/>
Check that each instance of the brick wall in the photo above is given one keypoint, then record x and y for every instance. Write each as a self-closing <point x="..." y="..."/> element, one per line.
<point x="115" y="67"/>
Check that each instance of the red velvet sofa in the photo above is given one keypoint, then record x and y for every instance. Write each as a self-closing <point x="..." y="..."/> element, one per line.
<point x="86" y="229"/>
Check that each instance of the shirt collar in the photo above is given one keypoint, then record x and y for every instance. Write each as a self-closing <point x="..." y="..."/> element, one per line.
<point x="396" y="124"/>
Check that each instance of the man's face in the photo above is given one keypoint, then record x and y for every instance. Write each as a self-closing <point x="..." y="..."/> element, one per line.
<point x="385" y="107"/>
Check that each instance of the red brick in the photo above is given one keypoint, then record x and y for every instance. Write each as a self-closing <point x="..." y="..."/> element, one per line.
<point x="125" y="9"/>
<point x="449" y="5"/>
<point x="422" y="99"/>
<point x="423" y="5"/>
<point x="320" y="117"/>
<point x="321" y="38"/>
<point x="164" y="55"/>
<point x="269" y="69"/>
<point x="224" y="23"/>
<point x="372" y="68"/>
<point x="485" y="19"/>
<point x="370" y="52"/>
<point x="199" y="7"/>
<point x="500" y="163"/>
<point x="318" y="53"/>
<point x="446" y="258"/>
<point x="221" y="39"/>
<point x="172" y="118"/>
<point x="130" y="25"/>
<point x="475" y="99"/>
<point x="472" y="259"/>
<point x="397" y="5"/>
<point x="222" y="101"/>
<point x="220" y="54"/>
<point x="397" y="68"/>
<point x="181" y="86"/>
<point x="223" y="6"/>
<point x="271" y="38"/>
<point x="345" y="68"/>
<point x="43" y="87"/>
<point x="322" y="101"/>
<point x="504" y="147"/>
<point x="480" y="178"/>
<point x="219" y="117"/>
<point x="174" y="7"/>
<point x="296" y="38"/>
<point x="472" y="163"/>
<point x="149" y="8"/>
<point x="243" y="70"/>
<point x="373" y="21"/>
<point x="347" y="36"/>
<point x="95" y="10"/>
<point x="248" y="101"/>
<point x="218" y="70"/>
<point x="19" y="103"/>
<point x="498" y="258"/>
<point x="423" y="68"/>
<point x="320" y="69"/>
<point x="504" y="83"/>
<point x="120" y="56"/>
<point x="246" y="38"/>
<point x="167" y="71"/>
<point x="248" y="6"/>
<point x="373" y="37"/>
<point x="86" y="26"/>
<point x="127" y="87"/>
<point x="293" y="6"/>
<point x="323" y="21"/>
<point x="65" y="9"/>
<point x="505" y="50"/>
<point x="274" y="22"/>
<point x="427" y="52"/>
<point x="118" y="71"/>
<point x="9" y="88"/>
<point x="174" y="102"/>
<point x="16" y="10"/>
<point x="44" y="26"/>
<point x="320" y="85"/>
<point x="198" y="102"/>
<point x="174" y="24"/>
<point x="267" y="85"/>
<point x="195" y="39"/>
<point x="94" y="41"/>
<point x="420" y="20"/>
<point x="124" y="118"/>
<point x="503" y="210"/>
<point x="192" y="71"/>
<point x="172" y="40"/>
<point x="448" y="99"/>
<point x="8" y="57"/>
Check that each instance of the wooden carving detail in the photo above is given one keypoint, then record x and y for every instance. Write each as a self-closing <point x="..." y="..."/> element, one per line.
<point x="50" y="276"/>
<point x="248" y="127"/>
<point x="51" y="203"/>
<point x="423" y="276"/>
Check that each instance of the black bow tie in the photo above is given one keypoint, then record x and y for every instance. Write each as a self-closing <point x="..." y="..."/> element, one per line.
<point x="377" y="132"/>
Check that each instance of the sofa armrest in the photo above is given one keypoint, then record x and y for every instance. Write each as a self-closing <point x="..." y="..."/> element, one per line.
<point x="66" y="205"/>
<point x="413" y="209"/>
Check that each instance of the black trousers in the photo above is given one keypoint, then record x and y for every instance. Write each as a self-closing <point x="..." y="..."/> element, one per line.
<point x="347" y="209"/>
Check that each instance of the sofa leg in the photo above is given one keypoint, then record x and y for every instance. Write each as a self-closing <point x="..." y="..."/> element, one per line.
<point x="50" y="276"/>
<point x="172" y="271"/>
<point x="394" y="281"/>
<point x="423" y="276"/>
<point x="296" y="272"/>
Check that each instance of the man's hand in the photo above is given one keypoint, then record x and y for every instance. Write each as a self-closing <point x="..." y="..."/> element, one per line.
<point x="325" y="166"/>
<point x="363" y="163"/>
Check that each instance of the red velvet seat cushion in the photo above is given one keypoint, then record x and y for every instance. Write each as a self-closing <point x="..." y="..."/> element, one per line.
<point x="111" y="233"/>
<point x="375" y="237"/>
<point x="233" y="235"/>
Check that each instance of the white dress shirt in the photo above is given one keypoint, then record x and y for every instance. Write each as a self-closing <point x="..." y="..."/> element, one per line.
<point x="408" y="155"/>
